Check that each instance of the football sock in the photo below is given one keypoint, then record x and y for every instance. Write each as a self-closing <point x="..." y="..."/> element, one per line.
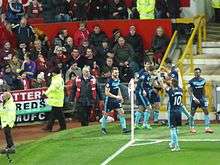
<point x="137" y="117"/>
<point x="146" y="117"/>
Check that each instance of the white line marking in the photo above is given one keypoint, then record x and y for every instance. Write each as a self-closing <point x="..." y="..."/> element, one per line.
<point x="148" y="143"/>
<point x="183" y="140"/>
<point x="117" y="152"/>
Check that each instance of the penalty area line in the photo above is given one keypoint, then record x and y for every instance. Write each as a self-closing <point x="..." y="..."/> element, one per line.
<point x="119" y="151"/>
<point x="181" y="140"/>
<point x="147" y="143"/>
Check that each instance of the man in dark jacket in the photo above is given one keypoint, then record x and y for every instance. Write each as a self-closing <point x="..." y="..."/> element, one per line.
<point x="61" y="10"/>
<point x="173" y="8"/>
<point x="97" y="36"/>
<point x="24" y="32"/>
<point x="86" y="92"/>
<point x="117" y="10"/>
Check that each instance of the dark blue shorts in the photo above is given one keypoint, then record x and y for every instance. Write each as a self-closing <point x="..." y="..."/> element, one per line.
<point x="154" y="97"/>
<point x="112" y="104"/>
<point x="175" y="118"/>
<point x="142" y="100"/>
<point x="203" y="104"/>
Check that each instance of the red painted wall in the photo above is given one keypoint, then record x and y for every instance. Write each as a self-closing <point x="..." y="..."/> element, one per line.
<point x="146" y="28"/>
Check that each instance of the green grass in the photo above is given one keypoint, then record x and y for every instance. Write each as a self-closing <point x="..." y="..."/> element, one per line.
<point x="87" y="146"/>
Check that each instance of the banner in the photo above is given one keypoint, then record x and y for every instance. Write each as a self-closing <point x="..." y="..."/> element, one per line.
<point x="30" y="106"/>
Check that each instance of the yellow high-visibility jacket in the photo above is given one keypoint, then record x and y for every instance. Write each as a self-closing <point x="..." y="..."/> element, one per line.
<point x="55" y="92"/>
<point x="8" y="113"/>
<point x="216" y="3"/>
<point x="146" y="8"/>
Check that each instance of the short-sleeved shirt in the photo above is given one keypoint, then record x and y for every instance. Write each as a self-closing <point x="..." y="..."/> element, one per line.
<point x="175" y="98"/>
<point x="197" y="84"/>
<point x="113" y="85"/>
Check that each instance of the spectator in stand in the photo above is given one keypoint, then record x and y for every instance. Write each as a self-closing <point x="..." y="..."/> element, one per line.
<point x="48" y="10"/>
<point x="95" y="71"/>
<point x="173" y="8"/>
<point x="146" y="8"/>
<point x="159" y="45"/>
<point x="98" y="9"/>
<point x="15" y="11"/>
<point x="136" y="41"/>
<point x="1" y="8"/>
<point x="107" y="68"/>
<point x="73" y="69"/>
<point x="61" y="11"/>
<point x="82" y="9"/>
<point x="81" y="34"/>
<point x="24" y="32"/>
<point x="15" y="64"/>
<point x="22" y="50"/>
<point x="69" y="85"/>
<point x="29" y="67"/>
<point x="11" y="78"/>
<point x="89" y="59"/>
<point x="38" y="49"/>
<point x="41" y="64"/>
<point x="76" y="58"/>
<point x="4" y="86"/>
<point x="117" y="10"/>
<point x="6" y="54"/>
<point x="69" y="46"/>
<point x="39" y="82"/>
<point x="34" y="9"/>
<point x="6" y="34"/>
<point x="60" y="38"/>
<point x="97" y="36"/>
<point x="102" y="51"/>
<point x="160" y="9"/>
<point x="71" y="7"/>
<point x="116" y="34"/>
<point x="124" y="55"/>
<point x="84" y="46"/>
<point x="45" y="44"/>
<point x="133" y="12"/>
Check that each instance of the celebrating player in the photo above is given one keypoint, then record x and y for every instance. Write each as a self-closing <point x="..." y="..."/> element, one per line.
<point x="113" y="102"/>
<point x="142" y="96"/>
<point x="197" y="93"/>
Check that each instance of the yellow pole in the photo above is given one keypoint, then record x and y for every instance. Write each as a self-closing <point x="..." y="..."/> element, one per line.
<point x="204" y="30"/>
<point x="199" y="42"/>
<point x="191" y="57"/>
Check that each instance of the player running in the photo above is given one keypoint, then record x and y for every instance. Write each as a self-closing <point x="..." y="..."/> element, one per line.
<point x="113" y="101"/>
<point x="198" y="99"/>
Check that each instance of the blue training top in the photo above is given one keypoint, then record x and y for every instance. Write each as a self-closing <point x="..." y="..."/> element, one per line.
<point x="114" y="86"/>
<point x="197" y="84"/>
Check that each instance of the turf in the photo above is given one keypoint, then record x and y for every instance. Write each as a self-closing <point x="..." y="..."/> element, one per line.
<point x="88" y="146"/>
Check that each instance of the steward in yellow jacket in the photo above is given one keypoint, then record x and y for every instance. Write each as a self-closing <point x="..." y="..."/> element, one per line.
<point x="8" y="117"/>
<point x="55" y="98"/>
<point x="146" y="8"/>
<point x="216" y="6"/>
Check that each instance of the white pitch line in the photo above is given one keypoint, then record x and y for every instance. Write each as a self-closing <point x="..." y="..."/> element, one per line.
<point x="183" y="140"/>
<point x="117" y="152"/>
<point x="148" y="143"/>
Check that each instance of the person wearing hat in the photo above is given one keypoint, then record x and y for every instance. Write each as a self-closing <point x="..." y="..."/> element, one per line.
<point x="8" y="117"/>
<point x="55" y="98"/>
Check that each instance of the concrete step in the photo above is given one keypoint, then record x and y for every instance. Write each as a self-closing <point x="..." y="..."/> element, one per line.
<point x="211" y="44"/>
<point x="211" y="50"/>
<point x="204" y="61"/>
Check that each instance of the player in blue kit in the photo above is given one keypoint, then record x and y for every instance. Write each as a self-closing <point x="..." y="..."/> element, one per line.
<point x="198" y="99"/>
<point x="113" y="101"/>
<point x="142" y="96"/>
<point x="175" y="101"/>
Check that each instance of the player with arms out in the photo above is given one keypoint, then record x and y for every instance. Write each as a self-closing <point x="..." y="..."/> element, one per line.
<point x="198" y="99"/>
<point x="113" y="101"/>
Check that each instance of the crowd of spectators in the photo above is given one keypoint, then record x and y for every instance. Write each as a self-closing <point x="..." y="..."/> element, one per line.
<point x="27" y="59"/>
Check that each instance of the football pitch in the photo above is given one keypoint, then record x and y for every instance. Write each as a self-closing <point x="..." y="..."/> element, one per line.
<point x="87" y="146"/>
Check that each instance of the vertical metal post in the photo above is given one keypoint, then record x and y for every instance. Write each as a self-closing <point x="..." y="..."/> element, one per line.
<point x="199" y="42"/>
<point x="132" y="108"/>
